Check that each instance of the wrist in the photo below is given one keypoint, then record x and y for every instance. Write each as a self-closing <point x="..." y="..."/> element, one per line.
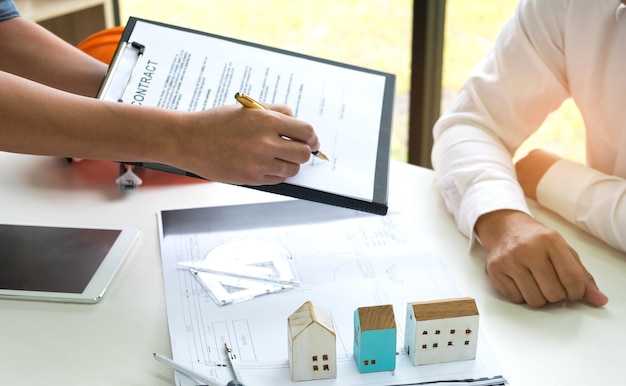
<point x="531" y="169"/>
<point x="491" y="227"/>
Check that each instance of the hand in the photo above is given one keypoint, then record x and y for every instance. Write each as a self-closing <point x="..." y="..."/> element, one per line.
<point x="531" y="169"/>
<point x="240" y="145"/>
<point x="528" y="262"/>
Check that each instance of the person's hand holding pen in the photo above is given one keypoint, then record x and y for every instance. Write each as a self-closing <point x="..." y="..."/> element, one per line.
<point x="247" y="101"/>
<point x="240" y="145"/>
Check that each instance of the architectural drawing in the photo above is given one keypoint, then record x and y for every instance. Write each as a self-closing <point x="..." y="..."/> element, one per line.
<point x="344" y="259"/>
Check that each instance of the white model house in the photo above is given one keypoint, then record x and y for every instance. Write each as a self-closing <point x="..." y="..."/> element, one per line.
<point x="441" y="331"/>
<point x="312" y="344"/>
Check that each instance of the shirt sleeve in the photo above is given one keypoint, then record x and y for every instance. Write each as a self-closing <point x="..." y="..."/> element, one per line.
<point x="592" y="200"/>
<point x="505" y="99"/>
<point x="8" y="10"/>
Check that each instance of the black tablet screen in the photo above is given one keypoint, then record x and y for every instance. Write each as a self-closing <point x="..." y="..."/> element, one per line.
<point x="52" y="259"/>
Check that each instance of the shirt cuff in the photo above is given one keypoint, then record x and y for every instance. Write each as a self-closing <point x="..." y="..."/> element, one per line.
<point x="561" y="186"/>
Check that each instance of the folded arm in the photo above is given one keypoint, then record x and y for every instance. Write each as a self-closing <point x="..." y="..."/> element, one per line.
<point x="592" y="200"/>
<point x="506" y="98"/>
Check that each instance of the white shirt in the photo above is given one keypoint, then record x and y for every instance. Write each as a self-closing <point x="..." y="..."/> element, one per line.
<point x="548" y="51"/>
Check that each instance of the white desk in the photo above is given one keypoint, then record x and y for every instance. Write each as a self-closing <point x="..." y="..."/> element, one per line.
<point x="111" y="343"/>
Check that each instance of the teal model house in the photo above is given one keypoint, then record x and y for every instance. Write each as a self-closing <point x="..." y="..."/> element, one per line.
<point x="375" y="338"/>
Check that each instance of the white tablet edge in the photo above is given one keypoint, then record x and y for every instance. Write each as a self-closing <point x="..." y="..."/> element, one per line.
<point x="101" y="279"/>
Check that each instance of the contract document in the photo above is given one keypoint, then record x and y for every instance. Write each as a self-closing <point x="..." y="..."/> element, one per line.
<point x="350" y="107"/>
<point x="344" y="259"/>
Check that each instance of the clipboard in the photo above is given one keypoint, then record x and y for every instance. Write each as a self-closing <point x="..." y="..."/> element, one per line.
<point x="351" y="107"/>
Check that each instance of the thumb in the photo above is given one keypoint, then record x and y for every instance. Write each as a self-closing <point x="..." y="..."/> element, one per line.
<point x="593" y="295"/>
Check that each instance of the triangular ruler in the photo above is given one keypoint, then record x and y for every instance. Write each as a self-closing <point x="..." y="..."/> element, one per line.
<point x="252" y="259"/>
<point x="241" y="270"/>
<point x="226" y="289"/>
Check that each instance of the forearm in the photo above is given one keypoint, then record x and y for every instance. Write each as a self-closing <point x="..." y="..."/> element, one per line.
<point x="593" y="201"/>
<point x="59" y="65"/>
<point x="37" y="119"/>
<point x="228" y="143"/>
<point x="474" y="174"/>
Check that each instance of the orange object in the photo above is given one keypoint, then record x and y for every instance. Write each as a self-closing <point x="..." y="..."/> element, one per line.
<point x="102" y="45"/>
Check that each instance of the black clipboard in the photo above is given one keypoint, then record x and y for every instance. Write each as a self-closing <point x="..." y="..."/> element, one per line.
<point x="131" y="53"/>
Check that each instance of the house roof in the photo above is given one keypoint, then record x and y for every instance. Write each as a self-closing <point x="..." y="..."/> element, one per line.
<point x="376" y="317"/>
<point x="307" y="315"/>
<point x="445" y="308"/>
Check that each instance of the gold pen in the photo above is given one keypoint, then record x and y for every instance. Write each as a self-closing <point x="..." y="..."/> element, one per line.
<point x="246" y="101"/>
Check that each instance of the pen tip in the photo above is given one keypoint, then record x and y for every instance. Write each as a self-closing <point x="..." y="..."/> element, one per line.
<point x="321" y="155"/>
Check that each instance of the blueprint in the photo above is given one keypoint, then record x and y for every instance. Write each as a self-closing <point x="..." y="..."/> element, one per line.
<point x="344" y="259"/>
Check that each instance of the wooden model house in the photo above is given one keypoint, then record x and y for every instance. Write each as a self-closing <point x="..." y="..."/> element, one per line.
<point x="375" y="338"/>
<point x="312" y="344"/>
<point x="441" y="331"/>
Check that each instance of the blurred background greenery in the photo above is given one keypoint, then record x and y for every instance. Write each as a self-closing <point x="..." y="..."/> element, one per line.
<point x="370" y="33"/>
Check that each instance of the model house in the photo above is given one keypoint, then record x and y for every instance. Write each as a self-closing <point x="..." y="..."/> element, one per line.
<point x="441" y="331"/>
<point x="312" y="344"/>
<point x="375" y="338"/>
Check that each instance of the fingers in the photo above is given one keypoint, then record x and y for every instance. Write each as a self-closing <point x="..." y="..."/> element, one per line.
<point x="295" y="129"/>
<point x="521" y="285"/>
<point x="301" y="132"/>
<point x="283" y="109"/>
<point x="593" y="295"/>
<point x="507" y="286"/>
<point x="541" y="276"/>
<point x="245" y="146"/>
<point x="528" y="262"/>
<point x="291" y="151"/>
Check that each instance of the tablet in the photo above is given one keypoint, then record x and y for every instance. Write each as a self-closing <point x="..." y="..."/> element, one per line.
<point x="60" y="263"/>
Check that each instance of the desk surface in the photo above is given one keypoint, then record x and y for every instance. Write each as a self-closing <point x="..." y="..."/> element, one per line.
<point x="111" y="343"/>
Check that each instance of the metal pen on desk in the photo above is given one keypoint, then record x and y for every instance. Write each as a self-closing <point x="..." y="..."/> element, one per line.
<point x="246" y="101"/>
<point x="232" y="359"/>
<point x="185" y="370"/>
